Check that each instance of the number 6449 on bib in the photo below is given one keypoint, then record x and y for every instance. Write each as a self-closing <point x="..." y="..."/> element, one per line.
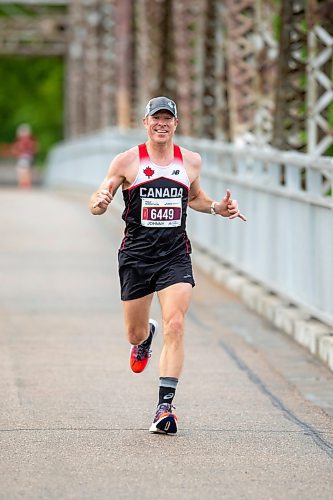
<point x="165" y="212"/>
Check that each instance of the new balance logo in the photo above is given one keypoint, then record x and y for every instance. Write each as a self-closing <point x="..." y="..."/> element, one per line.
<point x="175" y="172"/>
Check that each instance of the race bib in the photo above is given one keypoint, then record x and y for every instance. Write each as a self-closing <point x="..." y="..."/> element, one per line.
<point x="166" y="212"/>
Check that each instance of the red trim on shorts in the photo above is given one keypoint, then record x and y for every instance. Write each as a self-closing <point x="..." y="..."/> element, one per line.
<point x="186" y="244"/>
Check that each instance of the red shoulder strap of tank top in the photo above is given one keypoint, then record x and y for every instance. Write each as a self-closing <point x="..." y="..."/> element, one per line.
<point x="177" y="153"/>
<point x="143" y="153"/>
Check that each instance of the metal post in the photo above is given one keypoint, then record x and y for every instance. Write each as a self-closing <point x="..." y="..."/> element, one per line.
<point x="124" y="61"/>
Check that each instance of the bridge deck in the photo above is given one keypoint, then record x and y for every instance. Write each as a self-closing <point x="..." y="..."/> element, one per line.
<point x="256" y="410"/>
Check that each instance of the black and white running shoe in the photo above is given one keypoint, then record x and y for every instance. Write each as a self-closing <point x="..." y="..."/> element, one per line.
<point x="165" y="422"/>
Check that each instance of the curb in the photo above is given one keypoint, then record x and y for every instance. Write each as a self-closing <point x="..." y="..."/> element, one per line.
<point x="314" y="335"/>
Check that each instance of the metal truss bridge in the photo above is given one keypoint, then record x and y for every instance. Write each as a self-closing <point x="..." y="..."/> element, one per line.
<point x="253" y="84"/>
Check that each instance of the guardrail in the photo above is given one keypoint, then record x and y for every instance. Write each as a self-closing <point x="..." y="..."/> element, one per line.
<point x="287" y="243"/>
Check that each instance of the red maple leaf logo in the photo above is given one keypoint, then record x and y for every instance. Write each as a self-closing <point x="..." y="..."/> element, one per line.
<point x="149" y="171"/>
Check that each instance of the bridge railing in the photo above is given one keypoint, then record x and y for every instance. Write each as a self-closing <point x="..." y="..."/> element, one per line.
<point x="287" y="242"/>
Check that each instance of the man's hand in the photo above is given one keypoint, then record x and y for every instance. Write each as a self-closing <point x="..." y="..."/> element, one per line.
<point x="229" y="207"/>
<point x="104" y="197"/>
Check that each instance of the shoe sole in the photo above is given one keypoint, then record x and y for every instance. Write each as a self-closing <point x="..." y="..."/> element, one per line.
<point x="153" y="322"/>
<point x="166" y="425"/>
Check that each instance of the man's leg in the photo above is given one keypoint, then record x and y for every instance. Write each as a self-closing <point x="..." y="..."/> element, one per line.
<point x="136" y="317"/>
<point x="174" y="301"/>
<point x="140" y="333"/>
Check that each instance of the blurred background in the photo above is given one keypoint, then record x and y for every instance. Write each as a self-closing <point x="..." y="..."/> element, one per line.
<point x="253" y="82"/>
<point x="251" y="71"/>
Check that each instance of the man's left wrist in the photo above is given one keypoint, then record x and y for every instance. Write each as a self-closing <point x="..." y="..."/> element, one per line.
<point x="213" y="210"/>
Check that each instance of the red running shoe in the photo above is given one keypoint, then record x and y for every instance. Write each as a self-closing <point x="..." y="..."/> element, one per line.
<point x="141" y="353"/>
<point x="165" y="422"/>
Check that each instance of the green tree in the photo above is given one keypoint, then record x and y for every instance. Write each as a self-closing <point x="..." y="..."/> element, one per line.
<point x="31" y="91"/>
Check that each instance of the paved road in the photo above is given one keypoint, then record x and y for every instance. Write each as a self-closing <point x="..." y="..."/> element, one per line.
<point x="256" y="410"/>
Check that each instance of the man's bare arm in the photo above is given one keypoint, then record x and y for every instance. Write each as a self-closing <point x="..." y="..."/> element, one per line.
<point x="198" y="199"/>
<point x="101" y="199"/>
<point x="201" y="202"/>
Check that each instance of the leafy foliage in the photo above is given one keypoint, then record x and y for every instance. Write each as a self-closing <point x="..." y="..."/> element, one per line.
<point x="31" y="91"/>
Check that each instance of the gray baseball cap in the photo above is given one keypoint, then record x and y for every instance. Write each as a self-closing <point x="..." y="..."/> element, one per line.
<point x="161" y="103"/>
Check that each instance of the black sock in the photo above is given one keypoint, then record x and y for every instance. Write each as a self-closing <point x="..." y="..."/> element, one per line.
<point x="167" y="389"/>
<point x="148" y="340"/>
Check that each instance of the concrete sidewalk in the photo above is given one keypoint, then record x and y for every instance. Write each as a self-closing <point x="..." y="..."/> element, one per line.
<point x="256" y="410"/>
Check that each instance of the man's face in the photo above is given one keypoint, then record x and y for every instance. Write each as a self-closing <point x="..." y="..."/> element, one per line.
<point x="161" y="126"/>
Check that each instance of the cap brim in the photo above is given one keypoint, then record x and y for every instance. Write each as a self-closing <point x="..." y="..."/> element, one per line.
<point x="162" y="108"/>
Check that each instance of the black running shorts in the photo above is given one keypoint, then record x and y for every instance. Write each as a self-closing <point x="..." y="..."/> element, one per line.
<point x="139" y="278"/>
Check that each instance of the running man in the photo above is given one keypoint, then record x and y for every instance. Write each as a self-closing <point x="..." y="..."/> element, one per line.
<point x="159" y="181"/>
